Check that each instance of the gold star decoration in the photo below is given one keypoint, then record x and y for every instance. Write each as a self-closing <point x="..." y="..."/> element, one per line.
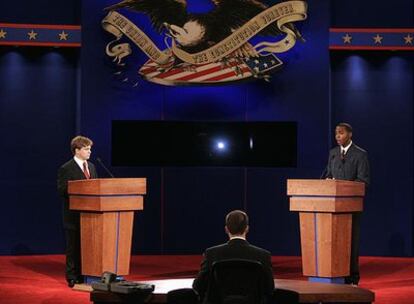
<point x="32" y="35"/>
<point x="63" y="36"/>
<point x="377" y="39"/>
<point x="2" y="34"/>
<point x="347" y="38"/>
<point x="408" y="39"/>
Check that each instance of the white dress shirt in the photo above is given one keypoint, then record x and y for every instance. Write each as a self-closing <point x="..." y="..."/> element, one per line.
<point x="346" y="148"/>
<point x="80" y="163"/>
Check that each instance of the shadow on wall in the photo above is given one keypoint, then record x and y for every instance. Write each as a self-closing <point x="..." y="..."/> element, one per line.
<point x="396" y="245"/>
<point x="21" y="249"/>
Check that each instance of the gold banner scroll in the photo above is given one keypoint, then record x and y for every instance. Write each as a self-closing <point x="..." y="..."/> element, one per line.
<point x="118" y="25"/>
<point x="281" y="13"/>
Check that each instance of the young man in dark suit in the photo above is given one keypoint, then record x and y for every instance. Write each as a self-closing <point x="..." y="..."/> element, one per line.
<point x="236" y="227"/>
<point x="77" y="168"/>
<point x="347" y="161"/>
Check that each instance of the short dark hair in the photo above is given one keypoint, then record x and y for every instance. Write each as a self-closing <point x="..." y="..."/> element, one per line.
<point x="345" y="125"/>
<point x="79" y="142"/>
<point x="237" y="222"/>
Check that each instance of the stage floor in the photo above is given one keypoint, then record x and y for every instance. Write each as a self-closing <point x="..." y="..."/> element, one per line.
<point x="40" y="279"/>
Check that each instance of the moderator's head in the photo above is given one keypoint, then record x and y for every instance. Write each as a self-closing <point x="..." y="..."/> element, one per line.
<point x="237" y="222"/>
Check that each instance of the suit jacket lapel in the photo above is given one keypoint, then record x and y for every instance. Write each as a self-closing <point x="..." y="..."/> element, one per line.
<point x="351" y="151"/>
<point x="77" y="170"/>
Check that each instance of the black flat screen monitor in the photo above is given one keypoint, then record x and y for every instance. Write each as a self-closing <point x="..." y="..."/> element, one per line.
<point x="195" y="143"/>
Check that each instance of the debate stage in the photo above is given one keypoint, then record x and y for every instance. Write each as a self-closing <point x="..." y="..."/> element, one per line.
<point x="40" y="279"/>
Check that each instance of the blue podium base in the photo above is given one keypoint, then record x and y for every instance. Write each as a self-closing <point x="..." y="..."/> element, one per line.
<point x="337" y="280"/>
<point x="91" y="279"/>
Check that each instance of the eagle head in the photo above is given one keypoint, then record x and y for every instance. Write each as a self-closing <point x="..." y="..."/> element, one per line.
<point x="191" y="34"/>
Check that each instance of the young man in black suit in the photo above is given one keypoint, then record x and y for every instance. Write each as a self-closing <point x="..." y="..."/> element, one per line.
<point x="75" y="169"/>
<point x="347" y="161"/>
<point x="236" y="227"/>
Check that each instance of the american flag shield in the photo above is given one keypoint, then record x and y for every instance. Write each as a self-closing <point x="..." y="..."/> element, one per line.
<point x="230" y="70"/>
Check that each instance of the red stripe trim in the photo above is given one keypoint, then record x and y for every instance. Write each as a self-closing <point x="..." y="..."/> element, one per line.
<point x="170" y="73"/>
<point x="42" y="26"/>
<point x="18" y="43"/>
<point x="176" y="71"/>
<point x="229" y="74"/>
<point x="371" y="30"/>
<point x="148" y="70"/>
<point x="205" y="72"/>
<point x="379" y="48"/>
<point x="202" y="73"/>
<point x="153" y="68"/>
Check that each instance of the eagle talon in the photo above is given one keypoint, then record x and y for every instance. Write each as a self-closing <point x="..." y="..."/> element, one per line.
<point x="225" y="63"/>
<point x="187" y="67"/>
<point x="237" y="69"/>
<point x="265" y="77"/>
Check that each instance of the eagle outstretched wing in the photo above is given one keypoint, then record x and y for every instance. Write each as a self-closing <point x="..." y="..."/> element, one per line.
<point x="159" y="11"/>
<point x="235" y="13"/>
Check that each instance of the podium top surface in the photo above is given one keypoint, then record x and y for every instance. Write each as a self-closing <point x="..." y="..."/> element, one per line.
<point x="108" y="186"/>
<point x="324" y="187"/>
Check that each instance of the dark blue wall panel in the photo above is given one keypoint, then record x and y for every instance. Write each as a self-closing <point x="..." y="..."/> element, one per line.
<point x="37" y="119"/>
<point x="184" y="207"/>
<point x="38" y="100"/>
<point x="40" y="12"/>
<point x="372" y="13"/>
<point x="374" y="92"/>
<point x="185" y="210"/>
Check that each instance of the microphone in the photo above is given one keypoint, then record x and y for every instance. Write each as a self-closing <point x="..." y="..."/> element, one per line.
<point x="324" y="172"/>
<point x="103" y="166"/>
<point x="326" y="168"/>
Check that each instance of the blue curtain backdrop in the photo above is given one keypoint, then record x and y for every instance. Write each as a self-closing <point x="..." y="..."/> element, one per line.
<point x="37" y="120"/>
<point x="184" y="208"/>
<point x="40" y="110"/>
<point x="373" y="91"/>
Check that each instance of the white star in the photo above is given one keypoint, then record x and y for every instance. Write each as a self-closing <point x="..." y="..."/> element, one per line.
<point x="377" y="39"/>
<point x="32" y="35"/>
<point x="347" y="38"/>
<point x="63" y="36"/>
<point x="265" y="65"/>
<point x="2" y="34"/>
<point x="408" y="39"/>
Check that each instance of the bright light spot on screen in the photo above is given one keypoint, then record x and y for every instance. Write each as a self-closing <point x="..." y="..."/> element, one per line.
<point x="251" y="143"/>
<point x="221" y="145"/>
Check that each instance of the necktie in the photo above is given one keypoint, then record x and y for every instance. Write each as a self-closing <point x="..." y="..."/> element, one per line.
<point x="343" y="154"/>
<point x="85" y="171"/>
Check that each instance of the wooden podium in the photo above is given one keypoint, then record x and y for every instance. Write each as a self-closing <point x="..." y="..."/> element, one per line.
<point x="107" y="214"/>
<point x="325" y="213"/>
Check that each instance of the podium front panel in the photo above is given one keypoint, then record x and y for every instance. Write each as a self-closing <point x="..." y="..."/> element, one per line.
<point x="106" y="242"/>
<point x="325" y="244"/>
